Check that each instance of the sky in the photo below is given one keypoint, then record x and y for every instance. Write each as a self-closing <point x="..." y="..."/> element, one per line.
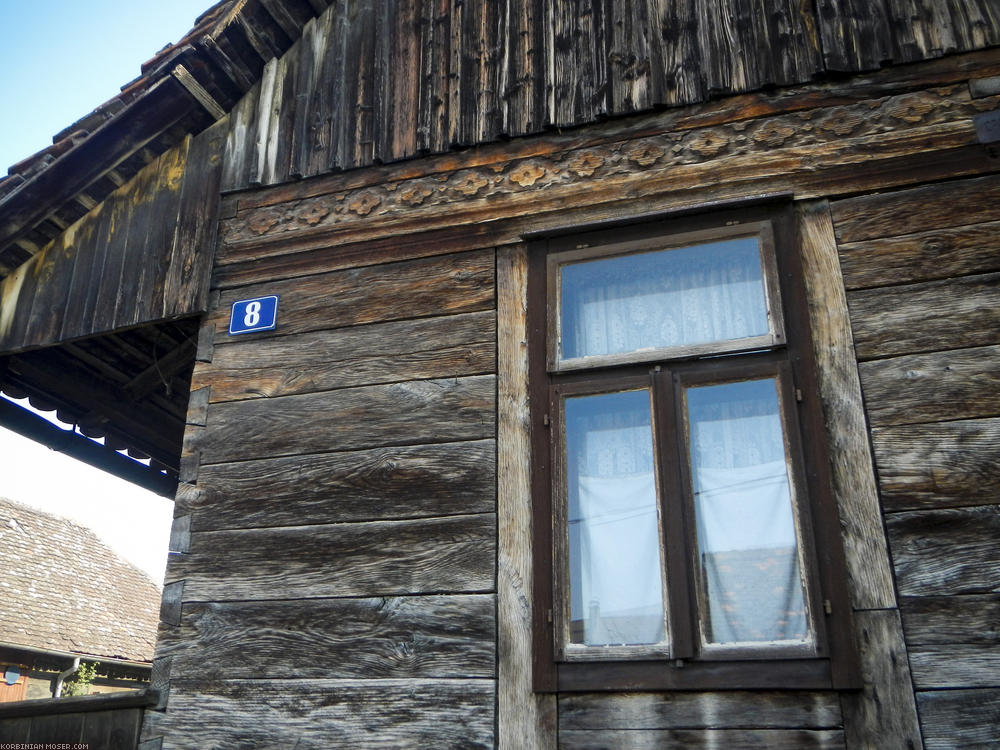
<point x="60" y="60"/>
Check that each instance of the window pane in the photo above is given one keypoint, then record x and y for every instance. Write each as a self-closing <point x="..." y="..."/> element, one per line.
<point x="748" y="554"/>
<point x="614" y="547"/>
<point x="668" y="298"/>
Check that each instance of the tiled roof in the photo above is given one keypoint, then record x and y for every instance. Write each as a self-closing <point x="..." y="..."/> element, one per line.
<point x="62" y="589"/>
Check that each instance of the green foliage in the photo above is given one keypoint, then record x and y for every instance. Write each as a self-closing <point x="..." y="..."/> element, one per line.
<point x="79" y="683"/>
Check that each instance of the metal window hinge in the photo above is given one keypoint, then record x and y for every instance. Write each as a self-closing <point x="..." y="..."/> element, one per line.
<point x="827" y="607"/>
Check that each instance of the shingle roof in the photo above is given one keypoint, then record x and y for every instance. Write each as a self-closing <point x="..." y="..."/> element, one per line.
<point x="62" y="589"/>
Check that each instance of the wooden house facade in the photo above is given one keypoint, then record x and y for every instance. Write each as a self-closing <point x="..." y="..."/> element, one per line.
<point x="374" y="497"/>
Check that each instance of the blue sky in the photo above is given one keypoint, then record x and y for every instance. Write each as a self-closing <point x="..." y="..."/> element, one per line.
<point x="62" y="58"/>
<point x="59" y="60"/>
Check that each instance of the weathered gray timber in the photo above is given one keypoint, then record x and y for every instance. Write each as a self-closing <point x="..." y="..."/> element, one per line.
<point x="953" y="640"/>
<point x="386" y="637"/>
<point x="405" y="77"/>
<point x="393" y="482"/>
<point x="142" y="256"/>
<point x="318" y="713"/>
<point x="738" y="739"/>
<point x="960" y="718"/>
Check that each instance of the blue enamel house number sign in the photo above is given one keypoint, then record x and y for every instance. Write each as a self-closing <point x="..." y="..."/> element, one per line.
<point x="257" y="314"/>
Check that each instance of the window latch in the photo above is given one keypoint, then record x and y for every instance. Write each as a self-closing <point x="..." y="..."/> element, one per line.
<point x="827" y="607"/>
<point x="798" y="395"/>
<point x="545" y="420"/>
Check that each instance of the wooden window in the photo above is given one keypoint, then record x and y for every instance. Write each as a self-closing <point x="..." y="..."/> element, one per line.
<point x="688" y="527"/>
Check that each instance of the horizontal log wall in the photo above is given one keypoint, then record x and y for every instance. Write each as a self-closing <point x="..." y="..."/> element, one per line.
<point x="921" y="268"/>
<point x="338" y="520"/>
<point x="341" y="472"/>
<point x="376" y="81"/>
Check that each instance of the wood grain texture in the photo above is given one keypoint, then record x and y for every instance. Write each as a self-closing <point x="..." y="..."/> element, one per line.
<point x="525" y="719"/>
<point x="378" y="484"/>
<point x="919" y="209"/>
<point x="454" y="554"/>
<point x="847" y="437"/>
<point x="317" y="714"/>
<point x="950" y="313"/>
<point x="396" y="637"/>
<point x="430" y="287"/>
<point x="440" y="347"/>
<point x="935" y="387"/>
<point x="954" y="666"/>
<point x="737" y="739"/>
<point x="941" y="552"/>
<point x="855" y="34"/>
<point x="959" y="718"/>
<point x="942" y="465"/>
<point x="883" y="713"/>
<point x="408" y="413"/>
<point x="922" y="256"/>
<point x="699" y="710"/>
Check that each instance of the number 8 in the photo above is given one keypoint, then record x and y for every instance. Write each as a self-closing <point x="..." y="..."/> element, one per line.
<point x="252" y="316"/>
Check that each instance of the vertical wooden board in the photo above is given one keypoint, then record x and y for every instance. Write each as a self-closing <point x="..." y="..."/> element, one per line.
<point x="260" y="159"/>
<point x="945" y="552"/>
<point x="675" y="52"/>
<point x="323" y="47"/>
<point x="186" y="287"/>
<point x="724" y="64"/>
<point x="237" y="157"/>
<point x="52" y="274"/>
<point x="162" y="235"/>
<point x="457" y="82"/>
<point x="700" y="710"/>
<point x="383" y="74"/>
<point x="568" y="74"/>
<point x="305" y="86"/>
<point x="105" y="290"/>
<point x="17" y="292"/>
<point x="855" y="34"/>
<point x="975" y="23"/>
<point x="938" y="465"/>
<point x="284" y="114"/>
<point x="524" y="94"/>
<point x="56" y="728"/>
<point x="525" y="719"/>
<point x="884" y="713"/>
<point x="86" y="250"/>
<point x="478" y="65"/>
<point x="628" y="55"/>
<point x="789" y="37"/>
<point x="865" y="547"/>
<point x="966" y="719"/>
<point x="922" y="29"/>
<point x="399" y="107"/>
<point x="140" y="225"/>
<point x="357" y="714"/>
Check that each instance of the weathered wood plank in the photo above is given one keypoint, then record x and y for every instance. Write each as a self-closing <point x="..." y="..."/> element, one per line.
<point x="921" y="29"/>
<point x="921" y="209"/>
<point x="383" y="483"/>
<point x="396" y="637"/>
<point x="675" y="52"/>
<point x="447" y="346"/>
<point x="238" y="153"/>
<point x="959" y="718"/>
<point x="947" y="620"/>
<point x="942" y="465"/>
<point x="855" y="34"/>
<point x="960" y="665"/>
<point x="383" y="558"/>
<point x="922" y="256"/>
<point x="731" y="739"/>
<point x="409" y="413"/>
<point x="883" y="713"/>
<point x="330" y="713"/>
<point x="940" y="552"/>
<point x="936" y="387"/>
<point x="852" y="469"/>
<point x="394" y="291"/>
<point x="950" y="313"/>
<point x="684" y="710"/>
<point x="525" y="719"/>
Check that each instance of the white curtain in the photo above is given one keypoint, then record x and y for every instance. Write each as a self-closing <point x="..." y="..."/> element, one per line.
<point x="743" y="506"/>
<point x="711" y="292"/>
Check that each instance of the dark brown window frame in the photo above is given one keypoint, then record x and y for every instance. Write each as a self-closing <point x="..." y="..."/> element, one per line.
<point x="834" y="664"/>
